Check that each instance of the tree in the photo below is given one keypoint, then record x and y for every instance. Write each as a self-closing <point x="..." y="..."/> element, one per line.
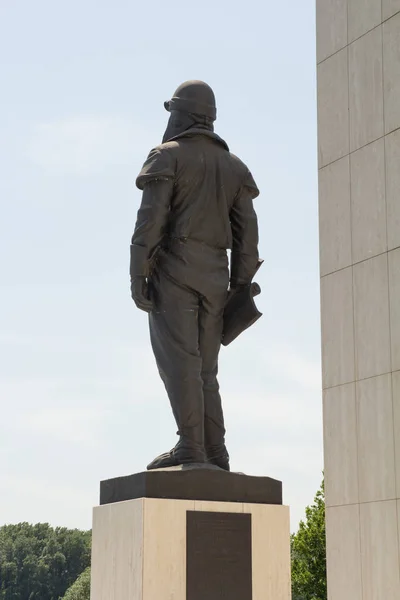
<point x="308" y="549"/>
<point x="38" y="562"/>
<point x="80" y="590"/>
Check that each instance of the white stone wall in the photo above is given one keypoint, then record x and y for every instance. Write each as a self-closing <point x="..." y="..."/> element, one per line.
<point x="358" y="54"/>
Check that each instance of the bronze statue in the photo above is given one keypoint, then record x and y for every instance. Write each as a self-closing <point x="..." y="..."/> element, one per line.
<point x="197" y="203"/>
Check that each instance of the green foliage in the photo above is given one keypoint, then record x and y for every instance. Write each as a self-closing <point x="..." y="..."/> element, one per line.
<point x="309" y="553"/>
<point x="80" y="590"/>
<point x="38" y="562"/>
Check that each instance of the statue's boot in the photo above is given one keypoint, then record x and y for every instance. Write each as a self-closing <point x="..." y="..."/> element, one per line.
<point x="181" y="454"/>
<point x="214" y="455"/>
<point x="218" y="456"/>
<point x="214" y="427"/>
<point x="186" y="398"/>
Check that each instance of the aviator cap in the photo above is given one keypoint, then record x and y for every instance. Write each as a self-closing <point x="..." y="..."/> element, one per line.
<point x="194" y="97"/>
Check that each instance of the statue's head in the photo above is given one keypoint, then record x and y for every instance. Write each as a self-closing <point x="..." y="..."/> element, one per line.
<point x="193" y="104"/>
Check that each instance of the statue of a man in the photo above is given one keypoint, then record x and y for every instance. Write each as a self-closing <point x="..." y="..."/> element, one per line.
<point x="197" y="203"/>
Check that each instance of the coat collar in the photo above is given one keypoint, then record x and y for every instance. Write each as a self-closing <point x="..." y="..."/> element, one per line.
<point x="201" y="131"/>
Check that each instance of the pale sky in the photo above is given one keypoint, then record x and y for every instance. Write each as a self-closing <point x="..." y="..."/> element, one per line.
<point x="82" y="91"/>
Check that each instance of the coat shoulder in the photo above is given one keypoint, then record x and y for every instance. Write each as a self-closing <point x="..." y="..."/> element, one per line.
<point x="160" y="164"/>
<point x="246" y="175"/>
<point x="240" y="165"/>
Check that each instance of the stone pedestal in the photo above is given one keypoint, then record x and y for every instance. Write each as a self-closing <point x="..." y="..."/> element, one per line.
<point x="153" y="548"/>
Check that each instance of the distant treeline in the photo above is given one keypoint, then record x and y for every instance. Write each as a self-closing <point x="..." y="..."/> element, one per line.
<point x="39" y="562"/>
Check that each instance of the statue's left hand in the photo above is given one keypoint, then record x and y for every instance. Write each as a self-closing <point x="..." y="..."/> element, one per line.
<point x="140" y="294"/>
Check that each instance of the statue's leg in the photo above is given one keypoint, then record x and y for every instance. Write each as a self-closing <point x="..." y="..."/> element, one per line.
<point x="174" y="333"/>
<point x="210" y="329"/>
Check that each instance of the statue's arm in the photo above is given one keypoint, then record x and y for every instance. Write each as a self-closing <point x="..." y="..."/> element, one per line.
<point x="244" y="224"/>
<point x="156" y="179"/>
<point x="152" y="219"/>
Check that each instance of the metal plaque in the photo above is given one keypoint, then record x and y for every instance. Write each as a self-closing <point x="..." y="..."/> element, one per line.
<point x="219" y="561"/>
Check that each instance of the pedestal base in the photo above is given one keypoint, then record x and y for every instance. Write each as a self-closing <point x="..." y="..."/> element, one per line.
<point x="193" y="482"/>
<point x="165" y="549"/>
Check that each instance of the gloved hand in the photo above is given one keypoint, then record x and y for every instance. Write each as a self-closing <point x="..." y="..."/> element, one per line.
<point x="235" y="288"/>
<point x="140" y="294"/>
<point x="239" y="286"/>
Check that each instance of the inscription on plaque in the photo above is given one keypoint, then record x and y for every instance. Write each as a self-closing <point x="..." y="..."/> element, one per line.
<point x="219" y="561"/>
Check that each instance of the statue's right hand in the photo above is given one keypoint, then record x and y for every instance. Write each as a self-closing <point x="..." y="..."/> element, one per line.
<point x="140" y="294"/>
